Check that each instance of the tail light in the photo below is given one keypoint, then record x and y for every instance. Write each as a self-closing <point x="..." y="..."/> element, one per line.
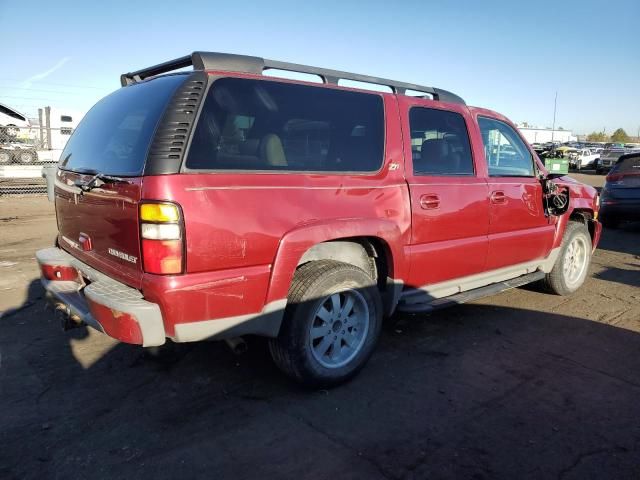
<point x="161" y="233"/>
<point x="614" y="177"/>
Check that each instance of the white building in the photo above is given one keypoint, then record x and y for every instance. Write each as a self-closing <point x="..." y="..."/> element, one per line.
<point x="543" y="135"/>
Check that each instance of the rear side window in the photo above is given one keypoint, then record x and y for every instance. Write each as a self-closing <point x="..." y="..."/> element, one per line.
<point x="439" y="143"/>
<point x="264" y="125"/>
<point x="627" y="165"/>
<point x="506" y="153"/>
<point x="114" y="136"/>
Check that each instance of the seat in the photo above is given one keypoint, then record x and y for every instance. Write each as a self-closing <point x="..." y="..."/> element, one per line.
<point x="271" y="151"/>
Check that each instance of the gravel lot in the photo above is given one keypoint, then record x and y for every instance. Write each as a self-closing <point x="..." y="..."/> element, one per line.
<point x="519" y="385"/>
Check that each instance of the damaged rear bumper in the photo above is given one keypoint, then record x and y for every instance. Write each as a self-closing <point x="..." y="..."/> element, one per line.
<point x="86" y="295"/>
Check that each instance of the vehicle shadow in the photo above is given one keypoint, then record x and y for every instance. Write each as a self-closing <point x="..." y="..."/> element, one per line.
<point x="476" y="391"/>
<point x="622" y="239"/>
<point x="630" y="276"/>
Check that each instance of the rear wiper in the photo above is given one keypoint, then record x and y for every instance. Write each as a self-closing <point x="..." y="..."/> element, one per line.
<point x="93" y="182"/>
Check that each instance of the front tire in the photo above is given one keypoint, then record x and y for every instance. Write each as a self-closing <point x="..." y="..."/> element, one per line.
<point x="331" y="324"/>
<point x="571" y="267"/>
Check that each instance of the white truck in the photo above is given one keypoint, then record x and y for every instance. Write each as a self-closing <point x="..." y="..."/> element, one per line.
<point x="583" y="158"/>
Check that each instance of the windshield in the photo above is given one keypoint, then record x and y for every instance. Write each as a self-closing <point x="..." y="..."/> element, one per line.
<point x="114" y="136"/>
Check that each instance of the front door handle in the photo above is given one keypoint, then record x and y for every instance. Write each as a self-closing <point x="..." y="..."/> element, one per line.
<point x="498" y="197"/>
<point x="430" y="201"/>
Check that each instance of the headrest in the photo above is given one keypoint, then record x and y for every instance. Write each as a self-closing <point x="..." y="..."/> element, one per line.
<point x="434" y="150"/>
<point x="272" y="152"/>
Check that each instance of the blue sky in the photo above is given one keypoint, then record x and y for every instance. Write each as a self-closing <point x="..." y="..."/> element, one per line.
<point x="510" y="56"/>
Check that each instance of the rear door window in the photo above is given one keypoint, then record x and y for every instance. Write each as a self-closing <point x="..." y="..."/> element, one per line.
<point x="265" y="125"/>
<point x="439" y="143"/>
<point x="114" y="136"/>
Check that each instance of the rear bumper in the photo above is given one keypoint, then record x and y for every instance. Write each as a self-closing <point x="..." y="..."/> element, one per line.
<point x="100" y="301"/>
<point x="185" y="308"/>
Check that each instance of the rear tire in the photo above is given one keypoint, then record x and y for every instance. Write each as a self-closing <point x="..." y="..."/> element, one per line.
<point x="331" y="324"/>
<point x="572" y="266"/>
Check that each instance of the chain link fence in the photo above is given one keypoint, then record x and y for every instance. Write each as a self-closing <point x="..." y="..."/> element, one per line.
<point x="24" y="151"/>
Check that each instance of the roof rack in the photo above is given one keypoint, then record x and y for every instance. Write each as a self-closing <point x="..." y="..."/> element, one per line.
<point x="256" y="65"/>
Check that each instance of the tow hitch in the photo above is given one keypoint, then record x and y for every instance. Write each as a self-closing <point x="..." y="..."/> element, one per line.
<point x="67" y="320"/>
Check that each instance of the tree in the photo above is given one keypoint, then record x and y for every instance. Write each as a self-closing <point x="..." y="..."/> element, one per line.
<point x="597" y="137"/>
<point x="620" y="136"/>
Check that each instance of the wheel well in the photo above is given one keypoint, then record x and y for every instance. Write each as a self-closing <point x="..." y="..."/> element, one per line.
<point x="585" y="217"/>
<point x="369" y="254"/>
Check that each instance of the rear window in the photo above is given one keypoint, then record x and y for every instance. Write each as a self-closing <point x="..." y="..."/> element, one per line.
<point x="114" y="136"/>
<point x="628" y="165"/>
<point x="264" y="125"/>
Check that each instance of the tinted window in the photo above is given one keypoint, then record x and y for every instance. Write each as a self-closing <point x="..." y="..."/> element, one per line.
<point x="114" y="135"/>
<point x="439" y="143"/>
<point x="628" y="165"/>
<point x="506" y="153"/>
<point x="66" y="118"/>
<point x="265" y="125"/>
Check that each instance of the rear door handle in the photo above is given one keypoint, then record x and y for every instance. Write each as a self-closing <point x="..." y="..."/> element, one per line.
<point x="498" y="197"/>
<point x="430" y="201"/>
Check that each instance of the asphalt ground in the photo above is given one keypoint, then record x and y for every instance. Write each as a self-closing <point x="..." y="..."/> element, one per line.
<point x="519" y="385"/>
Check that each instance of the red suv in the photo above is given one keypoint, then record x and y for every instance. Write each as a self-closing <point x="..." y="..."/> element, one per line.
<point x="222" y="202"/>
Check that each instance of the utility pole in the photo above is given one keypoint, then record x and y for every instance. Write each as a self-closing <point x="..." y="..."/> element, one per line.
<point x="553" y="127"/>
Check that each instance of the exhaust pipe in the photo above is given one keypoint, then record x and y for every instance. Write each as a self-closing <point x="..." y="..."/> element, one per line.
<point x="237" y="345"/>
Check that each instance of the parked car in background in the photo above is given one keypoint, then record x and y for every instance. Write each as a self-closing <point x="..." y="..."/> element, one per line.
<point x="610" y="156"/>
<point x="583" y="158"/>
<point x="620" y="197"/>
<point x="222" y="202"/>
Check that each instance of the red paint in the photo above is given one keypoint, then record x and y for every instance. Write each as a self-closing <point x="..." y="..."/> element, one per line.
<point x="119" y="325"/>
<point x="109" y="216"/>
<point x="244" y="233"/>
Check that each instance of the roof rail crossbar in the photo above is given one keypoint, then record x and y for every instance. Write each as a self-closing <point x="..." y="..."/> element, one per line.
<point x="256" y="65"/>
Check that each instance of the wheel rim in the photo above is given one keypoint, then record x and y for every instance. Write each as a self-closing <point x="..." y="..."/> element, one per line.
<point x="339" y="328"/>
<point x="575" y="260"/>
<point x="26" y="157"/>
